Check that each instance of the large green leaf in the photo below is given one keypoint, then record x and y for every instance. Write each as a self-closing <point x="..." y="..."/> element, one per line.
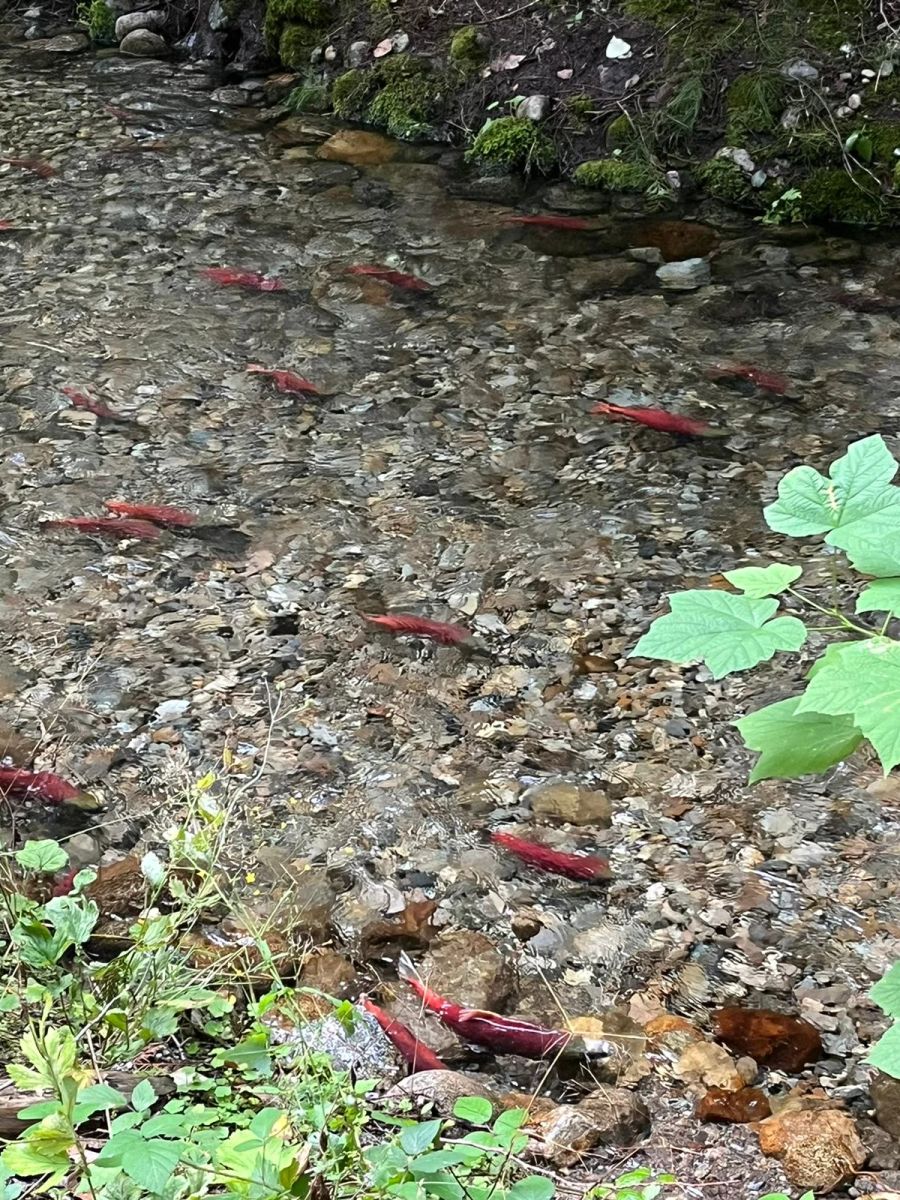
<point x="862" y="681"/>
<point x="886" y="992"/>
<point x="857" y="506"/>
<point x="151" y="1164"/>
<point x="728" y="633"/>
<point x="763" y="581"/>
<point x="46" y="856"/>
<point x="885" y="1054"/>
<point x="883" y="595"/>
<point x="792" y="743"/>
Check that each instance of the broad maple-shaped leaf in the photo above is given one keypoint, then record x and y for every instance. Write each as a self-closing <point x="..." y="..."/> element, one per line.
<point x="862" y="680"/>
<point x="793" y="744"/>
<point x="763" y="581"/>
<point x="857" y="506"/>
<point x="726" y="632"/>
<point x="885" y="1054"/>
<point x="881" y="596"/>
<point x="886" y="992"/>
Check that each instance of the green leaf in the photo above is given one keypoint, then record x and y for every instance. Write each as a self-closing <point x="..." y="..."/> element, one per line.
<point x="418" y="1138"/>
<point x="143" y="1096"/>
<point x="46" y="856"/>
<point x="102" y="1095"/>
<point x="474" y="1110"/>
<point x="862" y="681"/>
<point x="792" y="743"/>
<point x="886" y="992"/>
<point x="152" y="869"/>
<point x="881" y="596"/>
<point x="757" y="582"/>
<point x="509" y="1121"/>
<point x="72" y="917"/>
<point x="857" y="506"/>
<point x="533" y="1187"/>
<point x="729" y="633"/>
<point x="151" y="1163"/>
<point x="885" y="1054"/>
<point x="19" y="1159"/>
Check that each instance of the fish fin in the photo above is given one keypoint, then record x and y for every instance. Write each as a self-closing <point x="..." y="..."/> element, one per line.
<point x="405" y="968"/>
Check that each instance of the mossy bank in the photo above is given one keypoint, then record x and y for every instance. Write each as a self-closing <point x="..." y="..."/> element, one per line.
<point x="791" y="111"/>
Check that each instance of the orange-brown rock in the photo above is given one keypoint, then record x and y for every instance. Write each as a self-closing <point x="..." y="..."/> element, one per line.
<point x="774" y="1039"/>
<point x="733" y="1108"/>
<point x="818" y="1150"/>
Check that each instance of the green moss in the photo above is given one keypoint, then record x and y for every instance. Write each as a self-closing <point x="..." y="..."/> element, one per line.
<point x="581" y="105"/>
<point x="835" y="195"/>
<point x="817" y="147"/>
<point x="897" y="177"/>
<point x="468" y="49"/>
<point x="510" y="144"/>
<point x="830" y="23"/>
<point x="622" y="134"/>
<point x="313" y="15"/>
<point x="884" y="138"/>
<point x="408" y="97"/>
<point x="99" y="21"/>
<point x="660" y="12"/>
<point x="615" y="175"/>
<point x="233" y="9"/>
<point x="754" y="104"/>
<point x="724" y="180"/>
<point x="351" y="92"/>
<point x="309" y="98"/>
<point x="296" y="44"/>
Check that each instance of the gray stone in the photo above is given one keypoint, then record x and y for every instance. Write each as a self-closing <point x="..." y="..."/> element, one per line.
<point x="83" y="850"/>
<point x="533" y="108"/>
<point x="758" y="178"/>
<point x="645" y="254"/>
<point x="684" y="276"/>
<point x="800" y="69"/>
<point x="441" y="1089"/>
<point x="230" y="95"/>
<point x="144" y="43"/>
<point x="886" y="1099"/>
<point x="32" y="14"/>
<point x="152" y="19"/>
<point x="358" y="53"/>
<point x="331" y="54"/>
<point x="217" y="19"/>
<point x="67" y="43"/>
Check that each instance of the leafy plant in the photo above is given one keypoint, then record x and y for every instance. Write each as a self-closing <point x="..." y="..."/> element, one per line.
<point x="885" y="1054"/>
<point x="99" y="20"/>
<point x="640" y="1184"/>
<point x="854" y="688"/>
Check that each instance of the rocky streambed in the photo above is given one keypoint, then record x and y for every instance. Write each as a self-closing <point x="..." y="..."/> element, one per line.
<point x="447" y="465"/>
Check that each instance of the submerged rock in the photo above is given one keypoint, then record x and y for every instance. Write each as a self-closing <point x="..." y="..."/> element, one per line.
<point x="467" y="968"/>
<point x="572" y="804"/>
<point x="359" y="148"/>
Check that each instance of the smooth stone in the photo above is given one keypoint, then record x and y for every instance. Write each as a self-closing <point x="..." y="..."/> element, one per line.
<point x="128" y="22"/>
<point x="358" y="148"/>
<point x="143" y="43"/>
<point x="684" y="276"/>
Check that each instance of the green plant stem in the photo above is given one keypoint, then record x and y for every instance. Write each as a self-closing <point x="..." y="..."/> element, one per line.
<point x="845" y="622"/>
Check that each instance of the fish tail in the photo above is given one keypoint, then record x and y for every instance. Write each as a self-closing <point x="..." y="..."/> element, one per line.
<point x="406" y="970"/>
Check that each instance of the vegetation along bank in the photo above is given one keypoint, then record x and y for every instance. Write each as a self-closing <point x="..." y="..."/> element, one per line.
<point x="790" y="109"/>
